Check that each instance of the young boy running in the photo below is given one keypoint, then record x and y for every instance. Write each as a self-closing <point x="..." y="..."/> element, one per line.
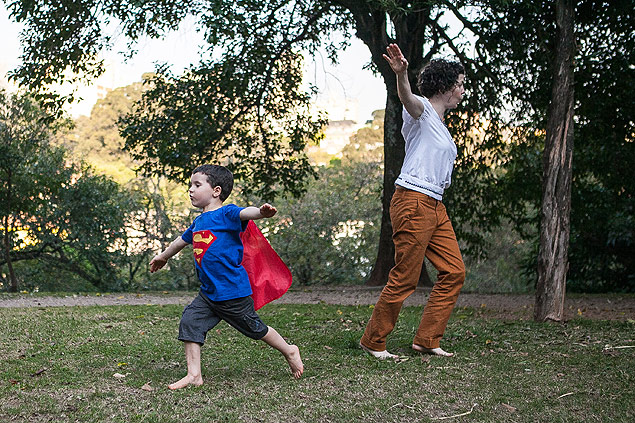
<point x="225" y="288"/>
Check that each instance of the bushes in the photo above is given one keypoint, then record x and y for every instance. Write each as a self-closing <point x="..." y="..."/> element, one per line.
<point x="329" y="235"/>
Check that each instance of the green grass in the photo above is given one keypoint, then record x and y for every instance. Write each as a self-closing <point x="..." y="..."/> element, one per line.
<point x="58" y="365"/>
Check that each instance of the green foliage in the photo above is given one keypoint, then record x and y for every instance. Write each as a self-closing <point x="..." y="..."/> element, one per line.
<point x="367" y="144"/>
<point x="242" y="105"/>
<point x="473" y="200"/>
<point x="53" y="210"/>
<point x="96" y="138"/>
<point x="221" y="113"/>
<point x="244" y="109"/>
<point x="162" y="208"/>
<point x="521" y="40"/>
<point x="164" y="214"/>
<point x="505" y="268"/>
<point x="39" y="276"/>
<point x="329" y="234"/>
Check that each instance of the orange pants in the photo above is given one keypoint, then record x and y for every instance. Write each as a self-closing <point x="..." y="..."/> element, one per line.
<point x="421" y="228"/>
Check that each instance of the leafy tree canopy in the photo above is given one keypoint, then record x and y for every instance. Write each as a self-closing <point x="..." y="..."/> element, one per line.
<point x="602" y="246"/>
<point x="51" y="209"/>
<point x="242" y="106"/>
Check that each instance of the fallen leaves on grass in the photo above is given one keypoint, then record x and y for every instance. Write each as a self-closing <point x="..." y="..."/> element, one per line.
<point x="39" y="372"/>
<point x="509" y="408"/>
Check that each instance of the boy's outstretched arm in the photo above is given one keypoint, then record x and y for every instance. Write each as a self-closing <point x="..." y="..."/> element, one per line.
<point x="255" y="213"/>
<point x="162" y="258"/>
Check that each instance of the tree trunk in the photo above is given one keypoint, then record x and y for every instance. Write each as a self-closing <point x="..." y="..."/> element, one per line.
<point x="393" y="158"/>
<point x="13" y="285"/>
<point x="13" y="281"/>
<point x="557" y="168"/>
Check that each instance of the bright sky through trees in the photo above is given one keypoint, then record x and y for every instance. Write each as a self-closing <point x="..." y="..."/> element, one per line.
<point x="341" y="86"/>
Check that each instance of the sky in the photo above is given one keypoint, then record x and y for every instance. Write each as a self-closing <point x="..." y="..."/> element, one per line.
<point x="345" y="90"/>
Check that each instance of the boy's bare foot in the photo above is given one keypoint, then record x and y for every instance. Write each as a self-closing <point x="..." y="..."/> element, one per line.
<point x="187" y="380"/>
<point x="382" y="355"/>
<point x="295" y="362"/>
<point x="433" y="351"/>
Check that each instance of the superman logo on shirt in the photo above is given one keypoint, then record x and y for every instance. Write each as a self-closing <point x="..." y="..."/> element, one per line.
<point x="201" y="242"/>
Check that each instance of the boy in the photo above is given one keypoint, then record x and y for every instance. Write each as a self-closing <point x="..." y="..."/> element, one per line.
<point x="225" y="288"/>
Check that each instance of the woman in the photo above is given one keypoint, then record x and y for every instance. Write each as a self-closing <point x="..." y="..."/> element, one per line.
<point x="421" y="227"/>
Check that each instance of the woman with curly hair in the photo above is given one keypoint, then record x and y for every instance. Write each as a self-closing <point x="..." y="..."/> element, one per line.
<point x="421" y="227"/>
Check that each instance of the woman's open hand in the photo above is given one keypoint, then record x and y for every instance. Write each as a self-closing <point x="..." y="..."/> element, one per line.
<point x="396" y="59"/>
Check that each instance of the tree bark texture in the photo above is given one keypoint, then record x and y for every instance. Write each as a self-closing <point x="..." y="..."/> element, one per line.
<point x="393" y="158"/>
<point x="13" y="280"/>
<point x="557" y="168"/>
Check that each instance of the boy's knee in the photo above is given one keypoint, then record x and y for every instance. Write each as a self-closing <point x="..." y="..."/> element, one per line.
<point x="185" y="325"/>
<point x="251" y="326"/>
<point x="258" y="336"/>
<point x="191" y="331"/>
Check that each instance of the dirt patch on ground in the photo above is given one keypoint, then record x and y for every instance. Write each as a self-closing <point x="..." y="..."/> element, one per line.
<point x="506" y="306"/>
<point x="607" y="307"/>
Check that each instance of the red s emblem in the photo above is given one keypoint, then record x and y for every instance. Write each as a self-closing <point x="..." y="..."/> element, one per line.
<point x="201" y="242"/>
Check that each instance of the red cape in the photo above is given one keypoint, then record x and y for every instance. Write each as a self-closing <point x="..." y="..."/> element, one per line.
<point x="270" y="278"/>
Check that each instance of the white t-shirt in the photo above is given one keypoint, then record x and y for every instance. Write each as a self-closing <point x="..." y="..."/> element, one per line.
<point x="430" y="153"/>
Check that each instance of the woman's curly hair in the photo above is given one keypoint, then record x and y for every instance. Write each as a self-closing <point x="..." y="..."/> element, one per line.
<point x="438" y="76"/>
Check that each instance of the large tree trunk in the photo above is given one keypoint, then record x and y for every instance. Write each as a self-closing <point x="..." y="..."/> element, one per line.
<point x="393" y="158"/>
<point x="557" y="167"/>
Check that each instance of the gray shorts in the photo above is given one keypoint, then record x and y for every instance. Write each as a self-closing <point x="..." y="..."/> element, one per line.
<point x="203" y="314"/>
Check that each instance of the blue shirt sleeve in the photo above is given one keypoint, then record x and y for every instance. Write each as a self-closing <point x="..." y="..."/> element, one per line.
<point x="232" y="217"/>
<point x="189" y="233"/>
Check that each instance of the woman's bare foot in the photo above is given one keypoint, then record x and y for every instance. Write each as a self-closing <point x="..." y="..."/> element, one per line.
<point x="295" y="362"/>
<point x="433" y="351"/>
<point x="187" y="380"/>
<point x="382" y="355"/>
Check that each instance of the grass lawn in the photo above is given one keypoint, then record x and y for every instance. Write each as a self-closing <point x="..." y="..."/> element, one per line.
<point x="58" y="365"/>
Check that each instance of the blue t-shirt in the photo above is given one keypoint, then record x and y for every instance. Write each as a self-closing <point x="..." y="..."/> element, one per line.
<point x="218" y="253"/>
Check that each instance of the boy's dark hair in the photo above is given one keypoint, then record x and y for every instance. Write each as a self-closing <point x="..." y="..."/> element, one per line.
<point x="218" y="176"/>
<point x="438" y="76"/>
